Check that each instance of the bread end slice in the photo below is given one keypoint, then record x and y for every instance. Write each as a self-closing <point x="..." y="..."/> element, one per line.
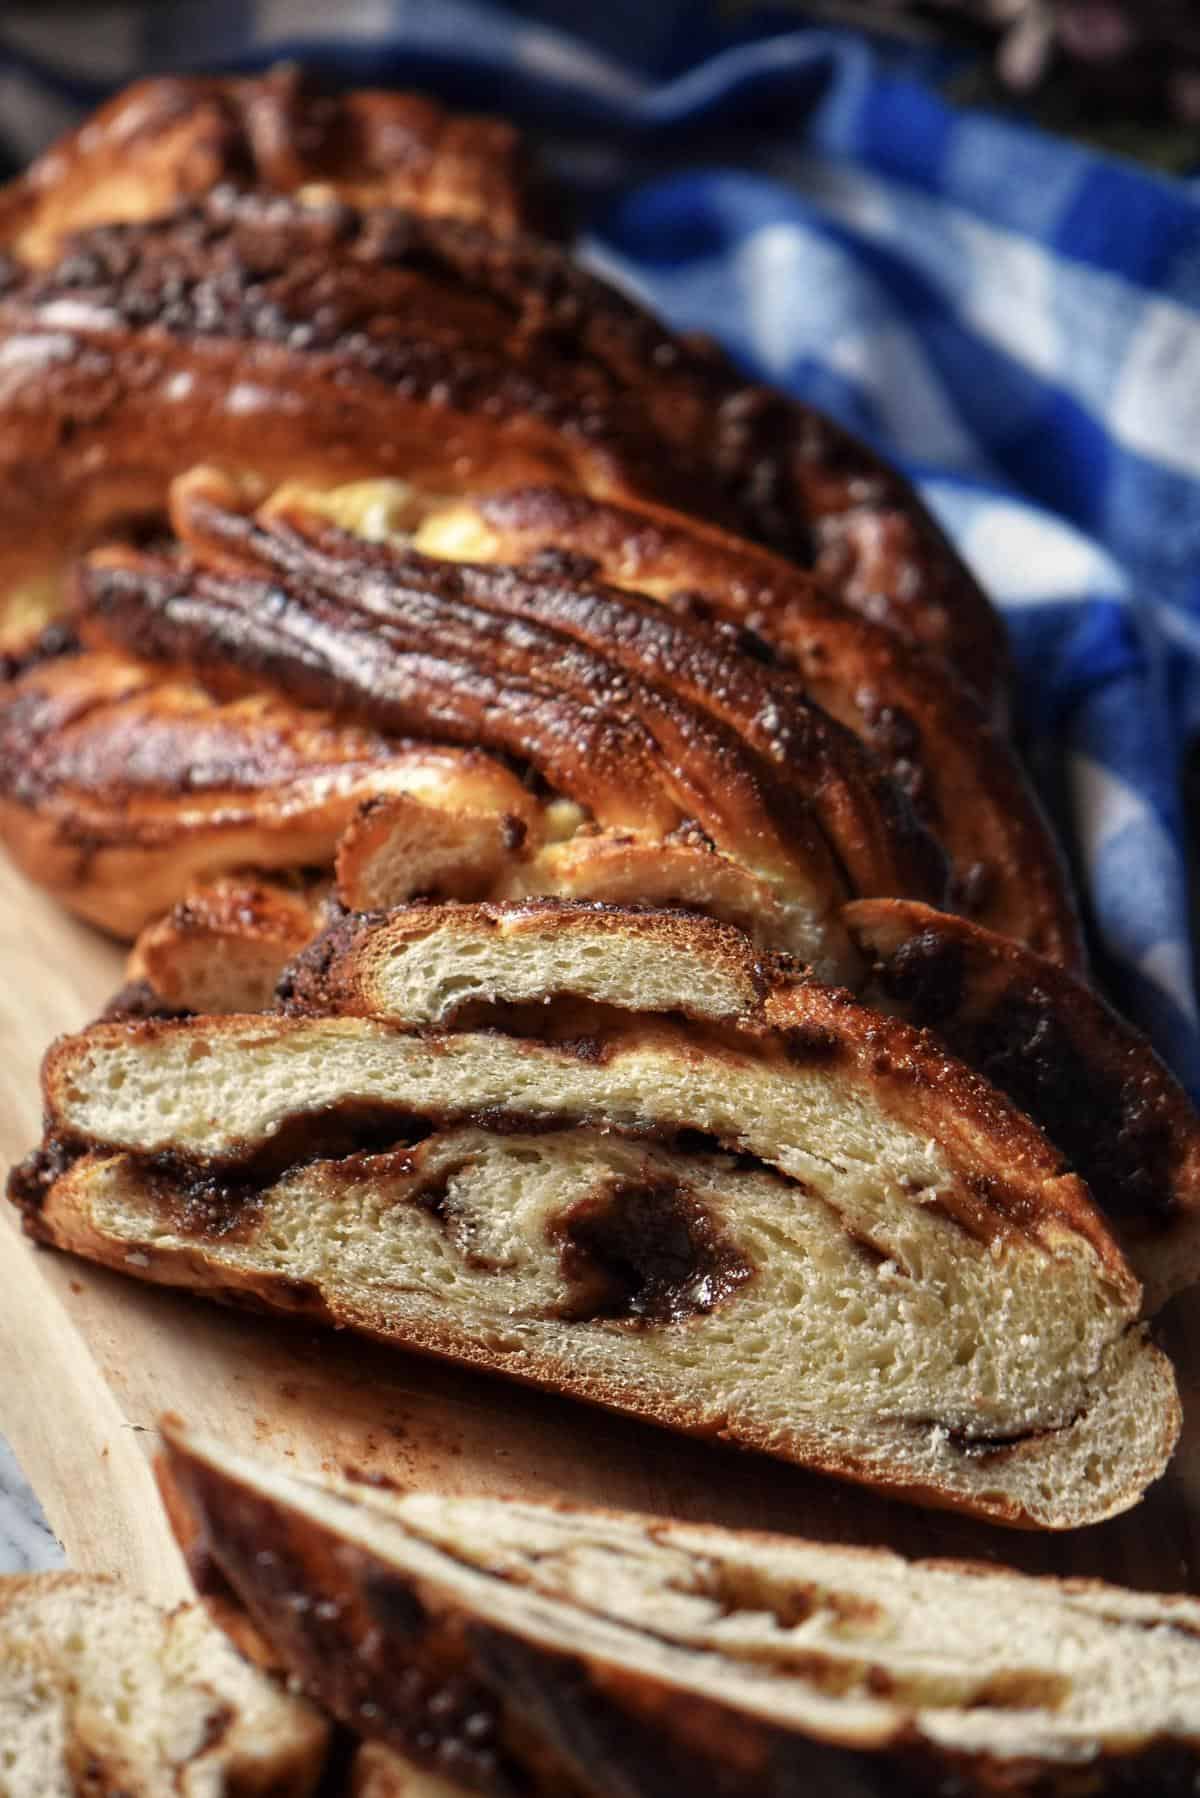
<point x="101" y="1691"/>
<point x="224" y="945"/>
<point x="583" y="1652"/>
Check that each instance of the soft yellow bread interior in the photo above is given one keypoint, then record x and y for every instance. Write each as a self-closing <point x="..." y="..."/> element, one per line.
<point x="102" y="1691"/>
<point x="772" y="1240"/>
<point x="425" y="963"/>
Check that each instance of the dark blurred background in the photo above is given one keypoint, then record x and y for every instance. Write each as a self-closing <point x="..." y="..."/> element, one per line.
<point x="1124" y="74"/>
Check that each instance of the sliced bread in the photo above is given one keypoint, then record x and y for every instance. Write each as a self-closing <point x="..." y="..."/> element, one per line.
<point x="825" y="1239"/>
<point x="574" y="1653"/>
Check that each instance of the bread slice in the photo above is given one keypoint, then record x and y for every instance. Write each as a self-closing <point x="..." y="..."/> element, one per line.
<point x="1085" y="1076"/>
<point x="429" y="963"/>
<point x="102" y="1692"/>
<point x="595" y="1652"/>
<point x="825" y="1240"/>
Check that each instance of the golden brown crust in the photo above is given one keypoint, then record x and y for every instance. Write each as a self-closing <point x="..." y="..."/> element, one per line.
<point x="938" y="1096"/>
<point x="401" y="1633"/>
<point x="1086" y="1077"/>
<point x="931" y="736"/>
<point x="478" y="362"/>
<point x="121" y="783"/>
<point x="170" y="140"/>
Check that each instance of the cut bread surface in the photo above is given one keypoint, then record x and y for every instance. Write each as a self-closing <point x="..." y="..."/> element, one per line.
<point x="687" y="1292"/>
<point x="103" y="1692"/>
<point x="825" y="1240"/>
<point x="606" y="1652"/>
<point x="424" y="964"/>
<point x="225" y="944"/>
<point x="1083" y="1075"/>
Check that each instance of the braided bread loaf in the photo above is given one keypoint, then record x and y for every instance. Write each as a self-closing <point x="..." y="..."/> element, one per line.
<point x="386" y="555"/>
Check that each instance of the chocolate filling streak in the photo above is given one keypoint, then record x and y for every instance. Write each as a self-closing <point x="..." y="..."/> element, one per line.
<point x="646" y="1253"/>
<point x="624" y="708"/>
<point x="470" y="336"/>
<point x="214" y="1189"/>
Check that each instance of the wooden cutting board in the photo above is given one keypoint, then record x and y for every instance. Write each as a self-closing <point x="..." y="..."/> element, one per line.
<point x="89" y="1361"/>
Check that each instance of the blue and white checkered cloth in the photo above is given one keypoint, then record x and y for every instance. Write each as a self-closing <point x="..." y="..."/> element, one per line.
<point x="1013" y="319"/>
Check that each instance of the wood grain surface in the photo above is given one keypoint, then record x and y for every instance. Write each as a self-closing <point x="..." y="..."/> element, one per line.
<point x="89" y="1361"/>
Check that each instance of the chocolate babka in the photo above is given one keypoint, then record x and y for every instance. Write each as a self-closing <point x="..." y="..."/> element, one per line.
<point x="428" y="370"/>
<point x="496" y="1647"/>
<point x="780" y="1218"/>
<point x="417" y="345"/>
<point x="357" y="549"/>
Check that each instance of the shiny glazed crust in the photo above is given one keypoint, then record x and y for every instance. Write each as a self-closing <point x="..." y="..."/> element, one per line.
<point x="200" y="335"/>
<point x="649" y="720"/>
<point x="1085" y="1076"/>
<point x="171" y="140"/>
<point x="930" y="735"/>
<point x="122" y="784"/>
